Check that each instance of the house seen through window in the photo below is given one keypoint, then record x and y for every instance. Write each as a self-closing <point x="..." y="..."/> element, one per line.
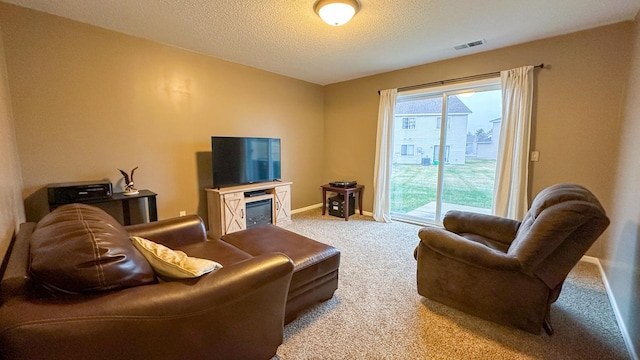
<point x="450" y="165"/>
<point x="406" y="150"/>
<point x="408" y="123"/>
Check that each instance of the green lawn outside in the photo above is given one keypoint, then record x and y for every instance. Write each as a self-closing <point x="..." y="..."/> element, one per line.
<point x="471" y="184"/>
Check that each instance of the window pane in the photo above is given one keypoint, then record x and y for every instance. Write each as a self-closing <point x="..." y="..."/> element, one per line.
<point x="414" y="178"/>
<point x="470" y="160"/>
<point x="437" y="168"/>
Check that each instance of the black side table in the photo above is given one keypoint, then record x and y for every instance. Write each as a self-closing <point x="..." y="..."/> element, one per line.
<point x="124" y="200"/>
<point x="345" y="191"/>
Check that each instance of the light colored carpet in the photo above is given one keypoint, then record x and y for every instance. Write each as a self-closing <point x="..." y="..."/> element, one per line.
<point x="376" y="313"/>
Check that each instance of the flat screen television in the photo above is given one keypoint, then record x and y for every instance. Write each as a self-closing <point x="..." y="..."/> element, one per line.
<point x="244" y="160"/>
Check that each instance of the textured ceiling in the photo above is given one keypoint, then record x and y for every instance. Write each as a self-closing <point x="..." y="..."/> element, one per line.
<point x="288" y="38"/>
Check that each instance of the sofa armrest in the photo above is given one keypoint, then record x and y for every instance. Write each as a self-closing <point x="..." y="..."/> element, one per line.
<point x="15" y="270"/>
<point x="214" y="317"/>
<point x="493" y="227"/>
<point x="456" y="247"/>
<point x="173" y="232"/>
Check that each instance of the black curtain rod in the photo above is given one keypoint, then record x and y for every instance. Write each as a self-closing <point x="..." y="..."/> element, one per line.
<point x="449" y="81"/>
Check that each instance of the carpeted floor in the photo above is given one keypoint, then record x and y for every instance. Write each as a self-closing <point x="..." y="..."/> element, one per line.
<point x="376" y="313"/>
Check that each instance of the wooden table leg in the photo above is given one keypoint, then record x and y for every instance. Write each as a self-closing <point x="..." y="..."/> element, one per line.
<point x="345" y="196"/>
<point x="360" y="200"/>
<point x="324" y="201"/>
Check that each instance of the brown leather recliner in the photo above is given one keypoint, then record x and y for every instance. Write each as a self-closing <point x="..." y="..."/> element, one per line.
<point x="109" y="306"/>
<point x="507" y="271"/>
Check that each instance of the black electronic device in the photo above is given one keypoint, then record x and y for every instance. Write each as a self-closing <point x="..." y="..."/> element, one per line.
<point x="70" y="192"/>
<point x="343" y="183"/>
<point x="255" y="193"/>
<point x="336" y="205"/>
<point x="244" y="160"/>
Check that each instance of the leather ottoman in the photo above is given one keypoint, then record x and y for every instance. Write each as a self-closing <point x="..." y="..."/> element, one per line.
<point x="315" y="274"/>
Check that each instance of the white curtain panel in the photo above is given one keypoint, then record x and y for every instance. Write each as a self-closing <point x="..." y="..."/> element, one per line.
<point x="384" y="154"/>
<point x="512" y="167"/>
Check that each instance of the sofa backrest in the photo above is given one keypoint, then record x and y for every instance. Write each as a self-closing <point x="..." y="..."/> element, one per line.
<point x="563" y="222"/>
<point x="79" y="248"/>
<point x="173" y="232"/>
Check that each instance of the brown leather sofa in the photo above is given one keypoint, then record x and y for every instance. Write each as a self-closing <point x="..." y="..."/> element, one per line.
<point x="315" y="265"/>
<point x="508" y="271"/>
<point x="112" y="307"/>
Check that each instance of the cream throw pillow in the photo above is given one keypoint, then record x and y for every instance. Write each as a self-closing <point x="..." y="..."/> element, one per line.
<point x="173" y="264"/>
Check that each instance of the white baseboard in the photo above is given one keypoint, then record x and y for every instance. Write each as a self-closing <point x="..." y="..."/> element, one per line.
<point x="592" y="260"/>
<point x="319" y="205"/>
<point x="616" y="310"/>
<point x="306" y="208"/>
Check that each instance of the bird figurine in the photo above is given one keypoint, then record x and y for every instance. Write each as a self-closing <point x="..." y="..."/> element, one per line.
<point x="128" y="182"/>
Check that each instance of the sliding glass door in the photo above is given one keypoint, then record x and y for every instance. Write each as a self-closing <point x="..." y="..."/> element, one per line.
<point x="445" y="144"/>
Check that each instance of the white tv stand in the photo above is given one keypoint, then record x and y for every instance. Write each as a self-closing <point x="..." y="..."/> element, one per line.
<point x="227" y="206"/>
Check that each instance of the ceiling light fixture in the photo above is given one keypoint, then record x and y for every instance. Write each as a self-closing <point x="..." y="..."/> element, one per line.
<point x="336" y="12"/>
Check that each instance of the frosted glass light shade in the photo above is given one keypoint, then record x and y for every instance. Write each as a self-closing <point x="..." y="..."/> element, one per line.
<point x="336" y="12"/>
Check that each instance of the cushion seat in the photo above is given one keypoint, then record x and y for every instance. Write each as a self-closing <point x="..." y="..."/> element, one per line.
<point x="217" y="250"/>
<point x="315" y="274"/>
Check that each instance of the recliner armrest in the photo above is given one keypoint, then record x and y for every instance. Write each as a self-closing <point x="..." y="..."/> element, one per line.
<point x="458" y="248"/>
<point x="173" y="232"/>
<point x="493" y="227"/>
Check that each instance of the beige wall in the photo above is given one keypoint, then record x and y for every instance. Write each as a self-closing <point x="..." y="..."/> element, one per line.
<point x="578" y="97"/>
<point x="88" y="101"/>
<point x="11" y="206"/>
<point x="621" y="258"/>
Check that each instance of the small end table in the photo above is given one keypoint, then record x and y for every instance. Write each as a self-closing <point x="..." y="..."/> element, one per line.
<point x="124" y="201"/>
<point x="345" y="191"/>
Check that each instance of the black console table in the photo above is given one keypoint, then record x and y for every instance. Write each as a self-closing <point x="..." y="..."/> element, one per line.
<point x="124" y="200"/>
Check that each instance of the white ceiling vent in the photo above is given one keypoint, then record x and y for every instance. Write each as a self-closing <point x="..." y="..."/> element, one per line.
<point x="470" y="44"/>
